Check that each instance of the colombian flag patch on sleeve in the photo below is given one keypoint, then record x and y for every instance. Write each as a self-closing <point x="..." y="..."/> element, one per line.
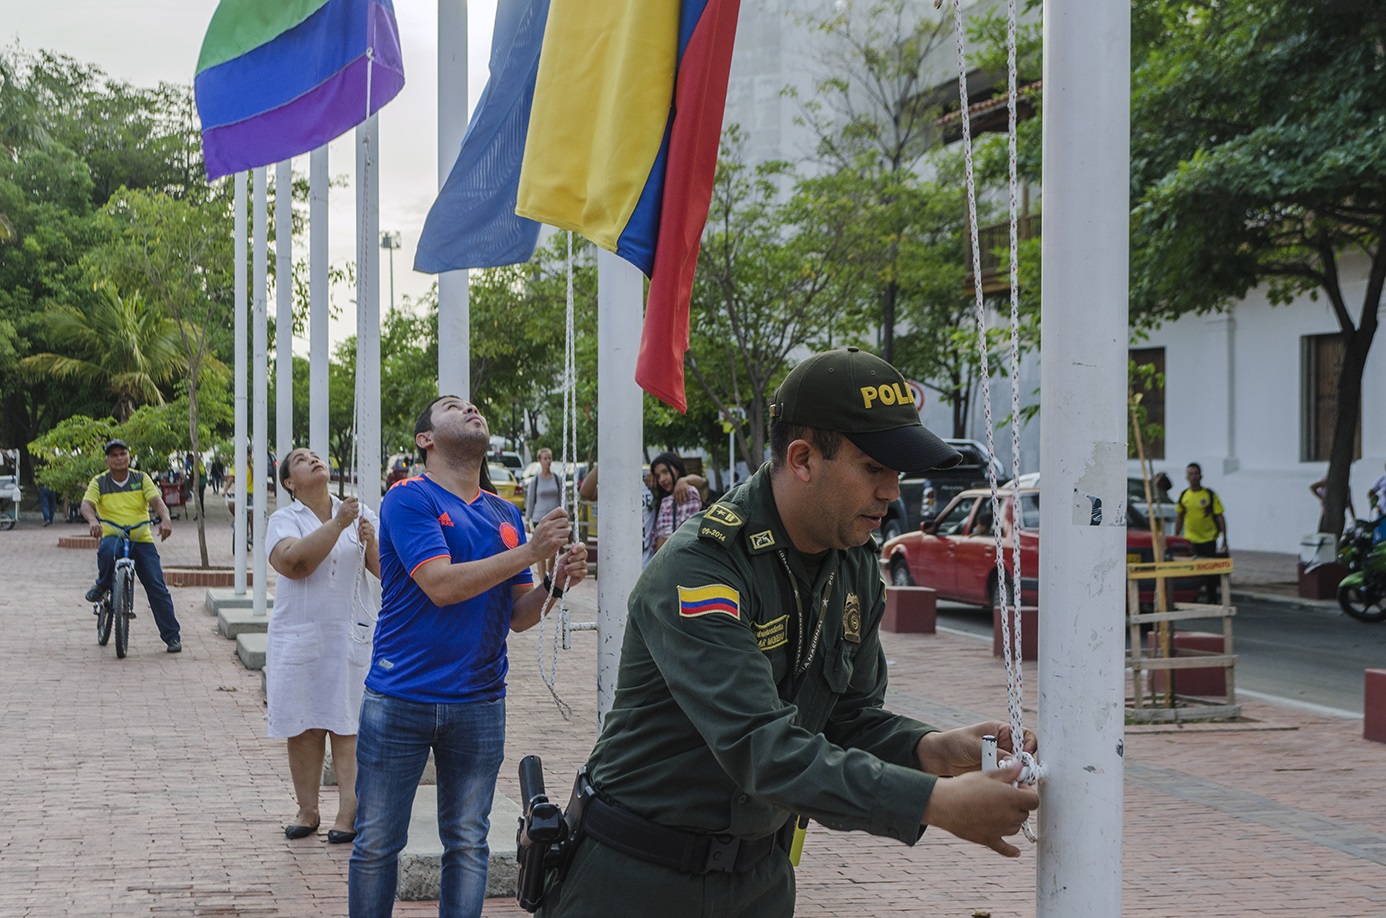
<point x="717" y="597"/>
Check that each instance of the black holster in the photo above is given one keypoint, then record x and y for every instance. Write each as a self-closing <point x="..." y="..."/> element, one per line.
<point x="547" y="836"/>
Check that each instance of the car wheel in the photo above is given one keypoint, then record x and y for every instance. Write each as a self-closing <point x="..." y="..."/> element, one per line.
<point x="900" y="573"/>
<point x="890" y="529"/>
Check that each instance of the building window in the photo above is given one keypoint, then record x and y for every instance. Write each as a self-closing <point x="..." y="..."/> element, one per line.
<point x="1321" y="363"/>
<point x="1152" y="391"/>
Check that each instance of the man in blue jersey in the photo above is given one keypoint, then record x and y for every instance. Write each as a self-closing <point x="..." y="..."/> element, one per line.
<point x="454" y="564"/>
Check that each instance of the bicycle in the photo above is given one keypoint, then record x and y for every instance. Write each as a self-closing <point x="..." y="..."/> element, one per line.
<point x="116" y="606"/>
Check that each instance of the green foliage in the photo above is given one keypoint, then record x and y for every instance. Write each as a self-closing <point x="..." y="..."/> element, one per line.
<point x="70" y="139"/>
<point x="72" y="452"/>
<point x="1258" y="134"/>
<point x="119" y="344"/>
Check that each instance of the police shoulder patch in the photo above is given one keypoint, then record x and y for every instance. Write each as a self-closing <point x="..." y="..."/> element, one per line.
<point x="720" y="523"/>
<point x="695" y="602"/>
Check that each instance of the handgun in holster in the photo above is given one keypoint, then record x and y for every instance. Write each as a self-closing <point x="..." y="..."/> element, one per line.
<point x="547" y="836"/>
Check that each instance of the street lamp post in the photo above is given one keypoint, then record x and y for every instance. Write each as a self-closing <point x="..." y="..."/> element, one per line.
<point x="390" y="240"/>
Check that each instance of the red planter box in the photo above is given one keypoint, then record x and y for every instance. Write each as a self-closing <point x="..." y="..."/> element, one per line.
<point x="910" y="610"/>
<point x="1321" y="582"/>
<point x="1029" y="632"/>
<point x="1374" y="706"/>
<point x="1210" y="681"/>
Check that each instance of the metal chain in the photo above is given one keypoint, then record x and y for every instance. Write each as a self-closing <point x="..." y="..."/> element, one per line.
<point x="1008" y="587"/>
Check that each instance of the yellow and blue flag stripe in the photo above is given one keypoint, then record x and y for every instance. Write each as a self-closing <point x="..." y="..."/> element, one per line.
<point x="716" y="597"/>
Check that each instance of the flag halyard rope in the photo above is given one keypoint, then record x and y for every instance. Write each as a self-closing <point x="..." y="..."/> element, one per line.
<point x="1008" y="593"/>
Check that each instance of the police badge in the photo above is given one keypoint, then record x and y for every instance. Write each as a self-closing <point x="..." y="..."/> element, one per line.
<point x="851" y="619"/>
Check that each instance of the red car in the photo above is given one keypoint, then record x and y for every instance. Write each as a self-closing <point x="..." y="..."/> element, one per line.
<point x="955" y="553"/>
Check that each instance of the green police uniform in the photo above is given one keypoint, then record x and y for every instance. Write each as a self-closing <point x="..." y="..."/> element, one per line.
<point x="739" y="704"/>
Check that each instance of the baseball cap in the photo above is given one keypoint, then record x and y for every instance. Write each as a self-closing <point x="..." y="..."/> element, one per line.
<point x="115" y="444"/>
<point x="867" y="400"/>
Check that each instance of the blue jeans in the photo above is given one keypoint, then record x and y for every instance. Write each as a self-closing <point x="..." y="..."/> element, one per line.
<point x="48" y="504"/>
<point x="151" y="574"/>
<point x="392" y="744"/>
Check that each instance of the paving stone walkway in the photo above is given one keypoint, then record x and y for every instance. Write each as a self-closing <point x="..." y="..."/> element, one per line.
<point x="146" y="786"/>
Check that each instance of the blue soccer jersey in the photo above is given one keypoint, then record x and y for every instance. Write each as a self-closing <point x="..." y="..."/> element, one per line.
<point x="454" y="653"/>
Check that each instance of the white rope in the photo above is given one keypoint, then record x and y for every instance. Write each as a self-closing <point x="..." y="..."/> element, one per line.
<point x="1008" y="588"/>
<point x="567" y="493"/>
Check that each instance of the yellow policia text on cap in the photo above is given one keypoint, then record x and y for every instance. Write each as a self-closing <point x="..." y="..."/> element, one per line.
<point x="886" y="394"/>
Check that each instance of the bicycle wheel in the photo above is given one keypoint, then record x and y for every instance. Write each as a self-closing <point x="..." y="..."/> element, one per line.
<point x="122" y="599"/>
<point x="103" y="621"/>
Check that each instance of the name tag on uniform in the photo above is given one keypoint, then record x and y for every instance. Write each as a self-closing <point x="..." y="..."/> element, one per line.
<point x="772" y="634"/>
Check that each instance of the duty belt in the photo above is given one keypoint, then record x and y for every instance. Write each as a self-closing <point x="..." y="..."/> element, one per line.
<point x="689" y="852"/>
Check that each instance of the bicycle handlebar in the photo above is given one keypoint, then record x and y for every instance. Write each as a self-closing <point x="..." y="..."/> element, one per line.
<point x="125" y="529"/>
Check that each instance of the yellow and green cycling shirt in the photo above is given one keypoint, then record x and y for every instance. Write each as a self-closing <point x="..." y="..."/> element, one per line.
<point x="1200" y="507"/>
<point x="126" y="503"/>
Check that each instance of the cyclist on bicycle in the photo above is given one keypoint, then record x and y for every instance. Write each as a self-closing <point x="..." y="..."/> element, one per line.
<point x="125" y="496"/>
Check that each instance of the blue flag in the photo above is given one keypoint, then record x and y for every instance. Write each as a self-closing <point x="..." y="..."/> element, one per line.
<point x="473" y="224"/>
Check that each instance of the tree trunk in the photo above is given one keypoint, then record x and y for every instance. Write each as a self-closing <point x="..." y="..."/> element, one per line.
<point x="197" y="466"/>
<point x="1341" y="452"/>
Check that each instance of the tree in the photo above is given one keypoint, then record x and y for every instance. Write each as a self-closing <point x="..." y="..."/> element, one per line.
<point x="1258" y="134"/>
<point x="180" y="250"/>
<point x="120" y="344"/>
<point x="874" y="118"/>
<point x="772" y="278"/>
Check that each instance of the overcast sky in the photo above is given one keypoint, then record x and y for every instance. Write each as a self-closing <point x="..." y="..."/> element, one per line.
<point x="148" y="41"/>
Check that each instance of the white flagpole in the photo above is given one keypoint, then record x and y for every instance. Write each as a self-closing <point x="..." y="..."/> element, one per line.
<point x="238" y="467"/>
<point x="368" y="313"/>
<point x="318" y="313"/>
<point x="283" y="313"/>
<point x="259" y="433"/>
<point x="620" y="435"/>
<point x="454" y="322"/>
<point x="1083" y="455"/>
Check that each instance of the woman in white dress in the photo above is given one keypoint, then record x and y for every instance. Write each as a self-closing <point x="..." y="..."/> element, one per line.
<point x="319" y="635"/>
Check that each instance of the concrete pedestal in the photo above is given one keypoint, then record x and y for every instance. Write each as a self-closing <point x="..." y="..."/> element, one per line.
<point x="910" y="610"/>
<point x="218" y="599"/>
<point x="421" y="861"/>
<point x="232" y="623"/>
<point x="250" y="648"/>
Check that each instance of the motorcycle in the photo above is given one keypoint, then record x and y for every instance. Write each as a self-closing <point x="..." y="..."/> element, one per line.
<point x="1362" y="593"/>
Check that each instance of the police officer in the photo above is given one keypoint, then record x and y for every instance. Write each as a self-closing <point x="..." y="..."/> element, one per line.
<point x="752" y="678"/>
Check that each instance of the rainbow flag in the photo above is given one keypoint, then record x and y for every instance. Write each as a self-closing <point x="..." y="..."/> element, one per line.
<point x="279" y="78"/>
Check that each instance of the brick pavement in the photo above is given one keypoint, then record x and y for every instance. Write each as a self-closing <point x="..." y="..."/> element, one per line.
<point x="146" y="786"/>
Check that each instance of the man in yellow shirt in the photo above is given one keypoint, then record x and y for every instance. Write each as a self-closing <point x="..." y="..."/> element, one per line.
<point x="125" y="496"/>
<point x="1199" y="519"/>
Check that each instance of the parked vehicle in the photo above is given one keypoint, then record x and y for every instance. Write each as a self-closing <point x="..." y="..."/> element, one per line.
<point x="955" y="554"/>
<point x="1362" y="593"/>
<point x="923" y="496"/>
<point x="507" y="485"/>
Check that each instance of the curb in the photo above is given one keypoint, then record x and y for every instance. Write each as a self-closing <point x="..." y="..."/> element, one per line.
<point x="1297" y="603"/>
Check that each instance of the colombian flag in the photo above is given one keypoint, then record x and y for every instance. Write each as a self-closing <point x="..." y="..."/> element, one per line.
<point x="718" y="597"/>
<point x="622" y="147"/>
<point x="278" y="78"/>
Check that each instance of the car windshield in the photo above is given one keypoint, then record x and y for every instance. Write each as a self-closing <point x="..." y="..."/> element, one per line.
<point x="952" y="520"/>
